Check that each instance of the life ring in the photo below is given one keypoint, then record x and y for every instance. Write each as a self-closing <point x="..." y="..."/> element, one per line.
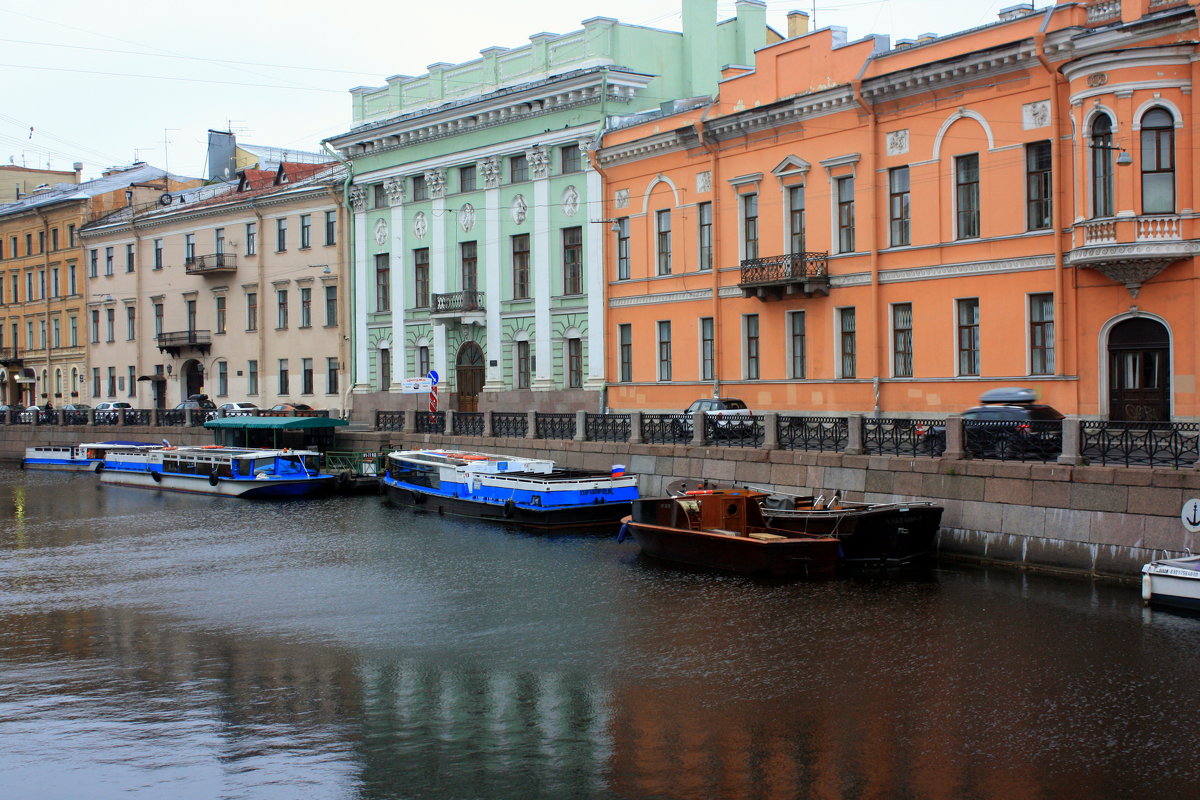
<point x="156" y="476"/>
<point x="509" y="508"/>
<point x="98" y="468"/>
<point x="213" y="478"/>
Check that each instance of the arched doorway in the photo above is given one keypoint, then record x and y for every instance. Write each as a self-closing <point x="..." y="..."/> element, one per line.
<point x="469" y="376"/>
<point x="1139" y="377"/>
<point x="193" y="378"/>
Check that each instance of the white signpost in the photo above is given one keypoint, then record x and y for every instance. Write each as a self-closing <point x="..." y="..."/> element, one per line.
<point x="415" y="386"/>
<point x="1190" y="516"/>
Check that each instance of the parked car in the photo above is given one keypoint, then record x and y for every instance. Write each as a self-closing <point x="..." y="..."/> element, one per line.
<point x="14" y="407"/>
<point x="237" y="407"/>
<point x="46" y="413"/>
<point x="198" y="401"/>
<point x="106" y="406"/>
<point x="76" y="407"/>
<point x="291" y="407"/>
<point x="106" y="412"/>
<point x="1007" y="424"/>
<point x="727" y="415"/>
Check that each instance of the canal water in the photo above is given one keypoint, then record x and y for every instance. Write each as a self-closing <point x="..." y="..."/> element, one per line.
<point x="156" y="645"/>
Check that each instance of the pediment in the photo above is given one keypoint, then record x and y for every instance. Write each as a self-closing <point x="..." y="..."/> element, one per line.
<point x="792" y="165"/>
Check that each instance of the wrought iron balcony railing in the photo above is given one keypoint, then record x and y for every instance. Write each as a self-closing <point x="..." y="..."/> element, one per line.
<point x="214" y="262"/>
<point x="10" y="355"/>
<point x="458" y="303"/>
<point x="792" y="274"/>
<point x="175" y="341"/>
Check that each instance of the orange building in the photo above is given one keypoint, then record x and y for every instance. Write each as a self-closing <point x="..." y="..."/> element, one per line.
<point x="861" y="226"/>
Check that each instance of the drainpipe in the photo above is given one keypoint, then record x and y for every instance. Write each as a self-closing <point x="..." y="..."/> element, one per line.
<point x="46" y="306"/>
<point x="715" y="168"/>
<point x="595" y="162"/>
<point x="1056" y="204"/>
<point x="262" y="298"/>
<point x="877" y="346"/>
<point x="346" y="231"/>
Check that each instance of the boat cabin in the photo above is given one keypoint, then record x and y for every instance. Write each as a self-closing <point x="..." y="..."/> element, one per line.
<point x="734" y="512"/>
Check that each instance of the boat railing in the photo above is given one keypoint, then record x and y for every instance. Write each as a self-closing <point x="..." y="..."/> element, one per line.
<point x="507" y="424"/>
<point x="554" y="426"/>
<point x="367" y="463"/>
<point x="606" y="427"/>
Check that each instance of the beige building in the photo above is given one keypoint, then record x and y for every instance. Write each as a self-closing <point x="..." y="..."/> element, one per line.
<point x="17" y="182"/>
<point x="231" y="290"/>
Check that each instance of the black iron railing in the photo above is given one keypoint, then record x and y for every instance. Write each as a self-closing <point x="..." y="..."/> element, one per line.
<point x="666" y="428"/>
<point x="184" y="339"/>
<point x="785" y="268"/>
<point x="430" y="422"/>
<point x="822" y="434"/>
<point x="607" y="427"/>
<point x="468" y="423"/>
<point x="1141" y="444"/>
<point x="903" y="436"/>
<point x="389" y="420"/>
<point x="554" y="426"/>
<point x="1033" y="440"/>
<point x="213" y="262"/>
<point x="510" y="424"/>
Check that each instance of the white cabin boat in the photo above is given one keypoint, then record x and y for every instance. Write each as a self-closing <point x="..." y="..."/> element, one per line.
<point x="1172" y="582"/>
<point x="216" y="470"/>
<point x="76" y="457"/>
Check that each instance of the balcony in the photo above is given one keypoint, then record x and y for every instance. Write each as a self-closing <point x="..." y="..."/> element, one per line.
<point x="175" y="342"/>
<point x="465" y="307"/>
<point x="210" y="264"/>
<point x="1129" y="250"/>
<point x="10" y="357"/>
<point x="777" y="277"/>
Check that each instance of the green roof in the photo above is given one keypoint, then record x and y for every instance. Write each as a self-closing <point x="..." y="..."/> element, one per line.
<point x="276" y="423"/>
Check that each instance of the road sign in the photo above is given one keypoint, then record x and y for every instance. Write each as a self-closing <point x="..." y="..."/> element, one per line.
<point x="433" y="399"/>
<point x="1190" y="516"/>
<point x="433" y="376"/>
<point x="415" y="385"/>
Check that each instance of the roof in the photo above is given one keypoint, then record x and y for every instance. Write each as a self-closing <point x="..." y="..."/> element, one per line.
<point x="275" y="423"/>
<point x="139" y="173"/>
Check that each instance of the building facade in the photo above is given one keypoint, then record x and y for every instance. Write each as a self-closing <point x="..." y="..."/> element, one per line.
<point x="230" y="290"/>
<point x="478" y="232"/>
<point x="854" y="226"/>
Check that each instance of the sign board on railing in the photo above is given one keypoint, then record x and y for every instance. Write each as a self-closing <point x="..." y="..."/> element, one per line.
<point x="415" y="385"/>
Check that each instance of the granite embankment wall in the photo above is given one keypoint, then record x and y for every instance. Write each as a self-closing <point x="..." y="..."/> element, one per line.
<point x="1096" y="520"/>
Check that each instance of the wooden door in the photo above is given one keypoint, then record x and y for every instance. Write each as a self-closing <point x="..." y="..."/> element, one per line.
<point x="1139" y="378"/>
<point x="469" y="376"/>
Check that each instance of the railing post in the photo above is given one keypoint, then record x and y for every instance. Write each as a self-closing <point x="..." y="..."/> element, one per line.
<point x="854" y="435"/>
<point x="1071" y="450"/>
<point x="635" y="427"/>
<point x="770" y="431"/>
<point x="698" y="432"/>
<point x="531" y="425"/>
<point x="581" y="426"/>
<point x="5" y="417"/>
<point x="489" y="427"/>
<point x="449" y="422"/>
<point x="187" y="417"/>
<point x="410" y="420"/>
<point x="954" y="438"/>
<point x="91" y="417"/>
<point x="121" y="417"/>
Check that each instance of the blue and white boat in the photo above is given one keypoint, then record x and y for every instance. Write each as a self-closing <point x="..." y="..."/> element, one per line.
<point x="75" y="457"/>
<point x="525" y="491"/>
<point x="220" y="471"/>
<point x="1172" y="582"/>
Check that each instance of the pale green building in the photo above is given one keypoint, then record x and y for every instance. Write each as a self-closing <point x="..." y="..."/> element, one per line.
<point x="478" y="233"/>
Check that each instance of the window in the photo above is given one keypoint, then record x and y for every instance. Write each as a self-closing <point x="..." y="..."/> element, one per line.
<point x="466" y="178"/>
<point x="330" y="228"/>
<point x="190" y="306"/>
<point x="1041" y="334"/>
<point x="281" y="308"/>
<point x="283" y="376"/>
<point x="305" y="307"/>
<point x="518" y="169"/>
<point x="281" y="235"/>
<point x="132" y="381"/>
<point x="1037" y="186"/>
<point x="968" y="336"/>
<point x="378" y="196"/>
<point x="571" y="161"/>
<point x="95" y="381"/>
<point x="189" y="247"/>
<point x="306" y="376"/>
<point x="95" y="334"/>
<point x="29" y="286"/>
<point x="251" y="238"/>
<point x="902" y="340"/>
<point x="1102" y="167"/>
<point x="966" y="191"/>
<point x="664" y="350"/>
<point x="707" y="353"/>
<point x="523" y="367"/>
<point x="421" y="277"/>
<point x="572" y="249"/>
<point x="70" y="236"/>
<point x="750" y="349"/>
<point x="112" y="381"/>
<point x="108" y="261"/>
<point x="93" y="260"/>
<point x="422" y="361"/>
<point x="73" y="330"/>
<point x="331" y="376"/>
<point x="574" y="363"/>
<point x="219" y="240"/>
<point x="305" y="231"/>
<point x="704" y="222"/>
<point x="29" y="244"/>
<point x="331" y="309"/>
<point x="420" y="188"/>
<point x="72" y="286"/>
<point x="625" y="352"/>
<point x="130" y="323"/>
<point x="1158" y="162"/>
<point x="54" y="238"/>
<point x="847" y="342"/>
<point x="129" y="258"/>
<point x="54" y="285"/>
<point x="383" y="282"/>
<point x="220" y="314"/>
<point x="622" y="231"/>
<point x="898" y="212"/>
<point x="110" y="319"/>
<point x="749" y="226"/>
<point x="222" y="379"/>
<point x="663" y="245"/>
<point x="845" y="201"/>
<point x="520" y="266"/>
<point x="385" y="367"/>
<point x="158" y="253"/>
<point x="252" y="377"/>
<point x="56" y="333"/>
<point x="41" y="241"/>
<point x="251" y="311"/>
<point x="468" y="261"/>
<point x="158" y="319"/>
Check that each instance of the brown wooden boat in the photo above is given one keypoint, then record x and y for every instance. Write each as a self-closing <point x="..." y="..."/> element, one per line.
<point x="724" y="529"/>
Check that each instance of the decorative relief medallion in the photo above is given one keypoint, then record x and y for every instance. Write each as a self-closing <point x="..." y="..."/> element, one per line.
<point x="570" y="201"/>
<point x="435" y="181"/>
<point x="489" y="168"/>
<point x="520" y="209"/>
<point x="539" y="161"/>
<point x="381" y="232"/>
<point x="358" y="197"/>
<point x="703" y="182"/>
<point x="1035" y="115"/>
<point x="621" y="198"/>
<point x="1097" y="79"/>
<point x="420" y="225"/>
<point x="466" y="217"/>
<point x="897" y="142"/>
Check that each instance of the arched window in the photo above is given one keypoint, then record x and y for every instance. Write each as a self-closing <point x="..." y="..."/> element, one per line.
<point x="1158" y="162"/>
<point x="1102" y="167"/>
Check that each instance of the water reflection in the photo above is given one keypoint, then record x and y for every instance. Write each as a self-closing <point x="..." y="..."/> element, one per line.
<point x="164" y="645"/>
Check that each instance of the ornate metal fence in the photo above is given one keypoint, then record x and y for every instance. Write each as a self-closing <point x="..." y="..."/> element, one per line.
<point x="903" y="437"/>
<point x="389" y="420"/>
<point x="139" y="416"/>
<point x="1034" y="440"/>
<point x="168" y="416"/>
<point x="430" y="422"/>
<point x="73" y="417"/>
<point x="666" y="428"/>
<point x="468" y="423"/>
<point x="1140" y="444"/>
<point x="813" y="433"/>
<point x="734" y="430"/>
<point x="607" y="427"/>
<point x="510" y="424"/>
<point x="554" y="426"/>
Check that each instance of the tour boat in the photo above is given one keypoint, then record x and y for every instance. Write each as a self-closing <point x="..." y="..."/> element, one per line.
<point x="870" y="534"/>
<point x="1172" y="582"/>
<point x="75" y="457"/>
<point x="525" y="491"/>
<point x="724" y="529"/>
<point x="216" y="470"/>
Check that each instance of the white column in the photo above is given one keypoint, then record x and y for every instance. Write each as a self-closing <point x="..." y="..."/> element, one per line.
<point x="397" y="296"/>
<point x="595" y="270"/>
<point x="493" y="268"/>
<point x="541" y="281"/>
<point x="362" y="281"/>
<point x="437" y="277"/>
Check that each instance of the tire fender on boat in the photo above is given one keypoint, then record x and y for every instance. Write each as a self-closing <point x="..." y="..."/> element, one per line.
<point x="509" y="508"/>
<point x="213" y="478"/>
<point x="156" y="476"/>
<point x="98" y="468"/>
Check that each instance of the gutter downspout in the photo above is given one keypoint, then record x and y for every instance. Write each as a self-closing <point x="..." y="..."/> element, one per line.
<point x="715" y="168"/>
<point x="46" y="303"/>
<point x="880" y="324"/>
<point x="594" y="160"/>
<point x="345" y="298"/>
<point x="262" y="297"/>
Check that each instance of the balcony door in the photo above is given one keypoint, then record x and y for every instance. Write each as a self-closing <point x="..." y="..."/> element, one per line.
<point x="469" y="376"/>
<point x="1139" y="378"/>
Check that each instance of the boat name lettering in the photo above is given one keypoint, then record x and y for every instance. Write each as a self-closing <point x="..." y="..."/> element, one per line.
<point x="595" y="491"/>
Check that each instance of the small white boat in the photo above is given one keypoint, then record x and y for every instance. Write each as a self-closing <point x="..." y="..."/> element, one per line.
<point x="220" y="471"/>
<point x="75" y="457"/>
<point x="1172" y="582"/>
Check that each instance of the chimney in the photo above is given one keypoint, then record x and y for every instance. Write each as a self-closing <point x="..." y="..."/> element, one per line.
<point x="797" y="23"/>
<point x="78" y="167"/>
<point x="1015" y="12"/>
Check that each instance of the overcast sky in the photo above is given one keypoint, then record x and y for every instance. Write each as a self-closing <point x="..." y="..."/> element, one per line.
<point x="105" y="83"/>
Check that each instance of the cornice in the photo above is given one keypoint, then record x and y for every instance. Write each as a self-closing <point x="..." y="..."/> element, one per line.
<point x="1165" y="55"/>
<point x="947" y="72"/>
<point x="786" y="112"/>
<point x="654" y="145"/>
<point x="967" y="269"/>
<point x="1097" y="254"/>
<point x="187" y="215"/>
<point x="664" y="297"/>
